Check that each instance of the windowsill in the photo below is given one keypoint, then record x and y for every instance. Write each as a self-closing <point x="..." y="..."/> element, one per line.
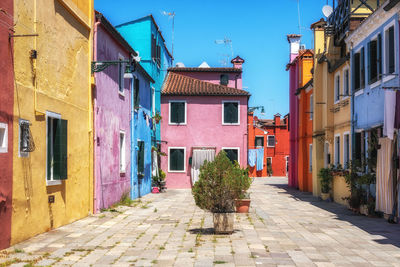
<point x="177" y="171"/>
<point x="344" y="98"/>
<point x="375" y="84"/>
<point x="3" y="150"/>
<point x="235" y="124"/>
<point x="270" y="146"/>
<point x="336" y="101"/>
<point x="171" y="123"/>
<point x="359" y="92"/>
<point x="53" y="182"/>
<point x="121" y="93"/>
<point x="389" y="77"/>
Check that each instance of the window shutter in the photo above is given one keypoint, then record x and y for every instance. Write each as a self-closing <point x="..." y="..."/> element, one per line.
<point x="153" y="46"/>
<point x="173" y="113"/>
<point x="49" y="141"/>
<point x="180" y="160"/>
<point x="140" y="159"/>
<point x="181" y="112"/>
<point x="235" y="113"/>
<point x="391" y="50"/>
<point x="137" y="93"/>
<point x="369" y="61"/>
<point x="379" y="57"/>
<point x="226" y="112"/>
<point x="362" y="70"/>
<point x="60" y="150"/>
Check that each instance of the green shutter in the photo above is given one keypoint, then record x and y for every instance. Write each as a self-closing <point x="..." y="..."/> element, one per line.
<point x="137" y="93"/>
<point x="181" y="112"/>
<point x="174" y="113"/>
<point x="140" y="157"/>
<point x="362" y="70"/>
<point x="369" y="61"/>
<point x="60" y="150"/>
<point x="177" y="160"/>
<point x="49" y="143"/>
<point x="231" y="113"/>
<point x="391" y="50"/>
<point x="379" y="57"/>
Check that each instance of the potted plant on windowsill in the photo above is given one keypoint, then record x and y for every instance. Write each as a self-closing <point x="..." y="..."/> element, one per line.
<point x="216" y="191"/>
<point x="325" y="177"/>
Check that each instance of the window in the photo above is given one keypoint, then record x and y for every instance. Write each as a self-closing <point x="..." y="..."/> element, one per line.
<point x="269" y="166"/>
<point x="389" y="51"/>
<point x="224" y="79"/>
<point x="56" y="148"/>
<point x="232" y="153"/>
<point x="25" y="144"/>
<point x="358" y="147"/>
<point x="346" y="83"/>
<point x="230" y="113"/>
<point x="374" y="59"/>
<point x="346" y="150"/>
<point x="136" y="96"/>
<point x="155" y="51"/>
<point x="337" y="150"/>
<point x="327" y="155"/>
<point x="310" y="158"/>
<point x="177" y="157"/>
<point x="121" y="72"/>
<point x="311" y="107"/>
<point x="359" y="70"/>
<point x="122" y="158"/>
<point x="3" y="137"/>
<point x="337" y="87"/>
<point x="177" y="112"/>
<point x="271" y="141"/>
<point x="259" y="141"/>
<point x="140" y="157"/>
<point x="153" y="100"/>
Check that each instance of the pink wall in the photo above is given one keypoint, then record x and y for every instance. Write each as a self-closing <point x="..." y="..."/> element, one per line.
<point x="293" y="124"/>
<point x="214" y="77"/>
<point x="204" y="129"/>
<point x="111" y="115"/>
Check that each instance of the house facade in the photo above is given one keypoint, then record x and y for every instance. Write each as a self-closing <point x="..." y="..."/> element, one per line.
<point x="200" y="118"/>
<point x="6" y="121"/>
<point x="273" y="137"/>
<point x="52" y="135"/>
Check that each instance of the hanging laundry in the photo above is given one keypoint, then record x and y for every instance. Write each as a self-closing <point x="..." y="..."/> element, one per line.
<point x="397" y="111"/>
<point x="260" y="159"/>
<point x="252" y="157"/>
<point x="389" y="110"/>
<point x="384" y="180"/>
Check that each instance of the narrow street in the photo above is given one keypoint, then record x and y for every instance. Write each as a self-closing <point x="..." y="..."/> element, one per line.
<point x="284" y="227"/>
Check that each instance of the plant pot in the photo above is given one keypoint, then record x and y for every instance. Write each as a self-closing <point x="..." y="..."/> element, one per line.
<point x="242" y="205"/>
<point x="325" y="196"/>
<point x="223" y="222"/>
<point x="155" y="190"/>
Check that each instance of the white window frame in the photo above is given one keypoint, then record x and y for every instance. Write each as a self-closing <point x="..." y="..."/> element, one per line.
<point x="346" y="158"/>
<point x="122" y="153"/>
<point x="336" y="92"/>
<point x="184" y="159"/>
<point x="4" y="145"/>
<point x="344" y="95"/>
<point x="311" y="107"/>
<point x="169" y="112"/>
<point x="255" y="144"/>
<point x="20" y="153"/>
<point x="153" y="100"/>
<point x="310" y="147"/>
<point x="230" y="101"/>
<point x="337" y="155"/>
<point x="268" y="141"/>
<point x="51" y="115"/>
<point x="386" y="76"/>
<point x="122" y="66"/>
<point x="237" y="148"/>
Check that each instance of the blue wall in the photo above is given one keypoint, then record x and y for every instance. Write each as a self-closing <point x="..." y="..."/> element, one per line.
<point x="369" y="102"/>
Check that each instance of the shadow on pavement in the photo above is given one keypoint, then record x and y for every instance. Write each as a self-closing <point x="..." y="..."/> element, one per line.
<point x="387" y="233"/>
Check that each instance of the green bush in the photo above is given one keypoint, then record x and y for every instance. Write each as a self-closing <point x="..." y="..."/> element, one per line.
<point x="220" y="183"/>
<point x="325" y="178"/>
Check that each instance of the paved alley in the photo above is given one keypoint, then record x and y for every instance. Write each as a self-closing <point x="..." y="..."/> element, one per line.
<point x="284" y="227"/>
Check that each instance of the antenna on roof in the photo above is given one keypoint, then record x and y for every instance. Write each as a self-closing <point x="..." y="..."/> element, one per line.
<point x="227" y="42"/>
<point x="171" y="15"/>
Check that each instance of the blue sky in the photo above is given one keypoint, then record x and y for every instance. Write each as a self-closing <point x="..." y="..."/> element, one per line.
<point x="257" y="28"/>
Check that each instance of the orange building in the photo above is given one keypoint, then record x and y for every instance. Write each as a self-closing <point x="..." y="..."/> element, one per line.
<point x="305" y="113"/>
<point x="273" y="136"/>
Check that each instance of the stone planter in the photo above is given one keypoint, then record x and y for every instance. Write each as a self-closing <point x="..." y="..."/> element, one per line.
<point x="242" y="205"/>
<point x="223" y="223"/>
<point x="325" y="196"/>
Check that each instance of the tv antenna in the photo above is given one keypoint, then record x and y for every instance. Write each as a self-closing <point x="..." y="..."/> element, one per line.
<point x="227" y="42"/>
<point x="171" y="15"/>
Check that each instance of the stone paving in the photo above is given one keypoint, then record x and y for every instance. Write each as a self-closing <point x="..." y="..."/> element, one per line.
<point x="284" y="228"/>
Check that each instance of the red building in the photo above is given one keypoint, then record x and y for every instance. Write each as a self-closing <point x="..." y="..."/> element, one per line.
<point x="6" y="120"/>
<point x="273" y="136"/>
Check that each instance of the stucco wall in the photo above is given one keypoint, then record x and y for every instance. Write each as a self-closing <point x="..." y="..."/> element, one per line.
<point x="60" y="76"/>
<point x="293" y="125"/>
<point x="204" y="129"/>
<point x="6" y="117"/>
<point x="112" y="115"/>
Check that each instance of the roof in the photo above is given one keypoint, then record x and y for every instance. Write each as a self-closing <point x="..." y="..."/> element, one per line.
<point x="318" y="24"/>
<point x="301" y="54"/>
<point x="293" y="36"/>
<point x="185" y="69"/>
<point x="178" y="84"/>
<point x="155" y="24"/>
<point x="118" y="37"/>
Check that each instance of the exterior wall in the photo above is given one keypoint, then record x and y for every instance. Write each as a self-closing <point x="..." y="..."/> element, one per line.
<point x="6" y="117"/>
<point x="204" y="129"/>
<point x="235" y="79"/>
<point x="112" y="115"/>
<point x="279" y="153"/>
<point x="57" y="81"/>
<point x="293" y="125"/>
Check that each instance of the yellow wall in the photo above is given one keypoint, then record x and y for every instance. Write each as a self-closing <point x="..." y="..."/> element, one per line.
<point x="340" y="190"/>
<point x="57" y="81"/>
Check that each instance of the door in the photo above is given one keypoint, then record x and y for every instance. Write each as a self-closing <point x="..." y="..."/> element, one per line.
<point x="198" y="158"/>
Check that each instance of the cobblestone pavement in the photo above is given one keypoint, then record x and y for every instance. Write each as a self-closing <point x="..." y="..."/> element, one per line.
<point x="284" y="227"/>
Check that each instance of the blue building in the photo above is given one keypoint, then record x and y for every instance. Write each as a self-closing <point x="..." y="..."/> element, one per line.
<point x="145" y="37"/>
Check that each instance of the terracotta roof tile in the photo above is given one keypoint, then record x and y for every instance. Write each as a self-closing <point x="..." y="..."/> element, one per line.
<point x="185" y="69"/>
<point x="177" y="84"/>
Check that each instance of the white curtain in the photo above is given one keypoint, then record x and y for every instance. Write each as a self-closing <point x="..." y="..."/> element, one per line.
<point x="155" y="164"/>
<point x="198" y="158"/>
<point x="384" y="180"/>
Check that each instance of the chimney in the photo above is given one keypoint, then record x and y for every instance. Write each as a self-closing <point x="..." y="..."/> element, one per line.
<point x="294" y="41"/>
<point x="277" y="119"/>
<point x="237" y="62"/>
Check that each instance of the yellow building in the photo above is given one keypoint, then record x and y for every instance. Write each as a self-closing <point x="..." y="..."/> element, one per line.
<point x="332" y="91"/>
<point x="52" y="169"/>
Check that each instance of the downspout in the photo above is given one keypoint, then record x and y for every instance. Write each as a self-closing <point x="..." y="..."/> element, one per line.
<point x="133" y="149"/>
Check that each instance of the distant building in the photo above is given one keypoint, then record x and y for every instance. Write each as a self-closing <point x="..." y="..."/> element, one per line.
<point x="273" y="137"/>
<point x="204" y="110"/>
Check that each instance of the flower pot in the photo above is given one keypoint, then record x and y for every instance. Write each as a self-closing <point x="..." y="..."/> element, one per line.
<point x="242" y="205"/>
<point x="155" y="190"/>
<point x="223" y="223"/>
<point x="325" y="196"/>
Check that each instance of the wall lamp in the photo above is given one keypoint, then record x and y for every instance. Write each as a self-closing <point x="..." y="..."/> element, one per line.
<point x="99" y="66"/>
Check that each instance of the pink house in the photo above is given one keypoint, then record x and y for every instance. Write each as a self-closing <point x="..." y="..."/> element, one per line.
<point x="204" y="110"/>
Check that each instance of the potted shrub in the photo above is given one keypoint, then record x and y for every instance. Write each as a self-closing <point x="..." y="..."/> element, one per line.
<point x="158" y="182"/>
<point x="325" y="177"/>
<point x="217" y="189"/>
<point x="242" y="184"/>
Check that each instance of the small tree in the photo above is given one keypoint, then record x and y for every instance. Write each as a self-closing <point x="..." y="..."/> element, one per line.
<point x="325" y="178"/>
